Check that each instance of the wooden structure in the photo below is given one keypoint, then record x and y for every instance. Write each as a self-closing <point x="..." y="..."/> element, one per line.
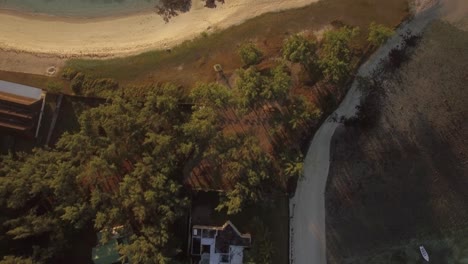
<point x="21" y="109"/>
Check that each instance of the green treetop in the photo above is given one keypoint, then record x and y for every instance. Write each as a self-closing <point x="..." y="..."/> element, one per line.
<point x="378" y="34"/>
<point x="336" y="53"/>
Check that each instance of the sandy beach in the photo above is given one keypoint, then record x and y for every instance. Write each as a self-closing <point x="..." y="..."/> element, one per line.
<point x="119" y="36"/>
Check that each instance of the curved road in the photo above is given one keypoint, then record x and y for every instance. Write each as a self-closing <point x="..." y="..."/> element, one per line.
<point x="307" y="207"/>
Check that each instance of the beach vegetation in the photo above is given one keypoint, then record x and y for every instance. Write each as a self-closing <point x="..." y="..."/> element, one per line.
<point x="378" y="34"/>
<point x="204" y="34"/>
<point x="250" y="54"/>
<point x="335" y="59"/>
<point x="168" y="9"/>
<point x="54" y="87"/>
<point x="250" y="85"/>
<point x="299" y="49"/>
<point x="77" y="83"/>
<point x="88" y="86"/>
<point x="69" y="73"/>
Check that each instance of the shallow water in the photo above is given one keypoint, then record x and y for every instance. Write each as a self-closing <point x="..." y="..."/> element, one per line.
<point x="78" y="8"/>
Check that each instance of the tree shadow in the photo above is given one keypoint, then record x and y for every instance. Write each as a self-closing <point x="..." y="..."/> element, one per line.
<point x="168" y="9"/>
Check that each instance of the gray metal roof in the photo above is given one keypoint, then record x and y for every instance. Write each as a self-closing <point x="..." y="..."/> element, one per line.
<point x="20" y="90"/>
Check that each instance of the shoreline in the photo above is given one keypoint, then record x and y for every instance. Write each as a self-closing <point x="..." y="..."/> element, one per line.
<point x="71" y="18"/>
<point x="123" y="35"/>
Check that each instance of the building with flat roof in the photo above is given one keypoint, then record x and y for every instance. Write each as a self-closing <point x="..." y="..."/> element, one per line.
<point x="21" y="108"/>
<point x="218" y="244"/>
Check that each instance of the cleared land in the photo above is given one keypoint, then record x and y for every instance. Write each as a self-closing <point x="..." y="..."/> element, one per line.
<point x="403" y="181"/>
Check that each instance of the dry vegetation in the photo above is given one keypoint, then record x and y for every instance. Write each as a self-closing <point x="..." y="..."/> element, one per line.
<point x="405" y="177"/>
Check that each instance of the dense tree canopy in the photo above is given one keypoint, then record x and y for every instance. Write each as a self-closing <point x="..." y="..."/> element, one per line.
<point x="299" y="49"/>
<point x="336" y="53"/>
<point x="249" y="87"/>
<point x="254" y="89"/>
<point x="240" y="159"/>
<point x="209" y="102"/>
<point x="121" y="168"/>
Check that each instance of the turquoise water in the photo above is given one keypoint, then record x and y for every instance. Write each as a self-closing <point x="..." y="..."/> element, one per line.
<point x="78" y="8"/>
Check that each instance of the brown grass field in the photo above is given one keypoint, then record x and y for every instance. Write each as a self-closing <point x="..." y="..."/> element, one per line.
<point x="403" y="181"/>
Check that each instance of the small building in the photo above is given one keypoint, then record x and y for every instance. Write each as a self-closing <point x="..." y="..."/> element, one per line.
<point x="218" y="244"/>
<point x="108" y="253"/>
<point x="21" y="109"/>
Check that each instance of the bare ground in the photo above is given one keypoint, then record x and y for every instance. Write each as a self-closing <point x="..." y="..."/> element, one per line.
<point x="15" y="61"/>
<point x="405" y="178"/>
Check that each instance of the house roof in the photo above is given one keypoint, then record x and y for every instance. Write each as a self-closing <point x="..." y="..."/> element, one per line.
<point x="227" y="235"/>
<point x="19" y="93"/>
<point x="230" y="236"/>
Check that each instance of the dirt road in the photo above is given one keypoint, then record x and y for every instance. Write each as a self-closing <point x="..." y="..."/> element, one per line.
<point x="307" y="233"/>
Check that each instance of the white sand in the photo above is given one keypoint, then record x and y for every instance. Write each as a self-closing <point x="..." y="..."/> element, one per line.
<point x="118" y="36"/>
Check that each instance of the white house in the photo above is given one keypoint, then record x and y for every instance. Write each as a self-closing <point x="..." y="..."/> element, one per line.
<point x="219" y="245"/>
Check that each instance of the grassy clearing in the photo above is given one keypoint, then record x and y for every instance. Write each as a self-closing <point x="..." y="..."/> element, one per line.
<point x="192" y="61"/>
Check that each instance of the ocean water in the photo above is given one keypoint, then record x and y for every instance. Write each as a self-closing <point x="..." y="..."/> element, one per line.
<point x="78" y="8"/>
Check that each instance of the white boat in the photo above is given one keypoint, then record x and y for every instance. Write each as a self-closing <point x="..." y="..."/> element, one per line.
<point x="424" y="253"/>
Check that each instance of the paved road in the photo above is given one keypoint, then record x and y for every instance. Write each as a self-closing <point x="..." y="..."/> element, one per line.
<point x="308" y="240"/>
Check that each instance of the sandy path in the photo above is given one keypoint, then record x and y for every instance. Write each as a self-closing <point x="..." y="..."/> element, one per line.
<point x="69" y="37"/>
<point x="308" y="244"/>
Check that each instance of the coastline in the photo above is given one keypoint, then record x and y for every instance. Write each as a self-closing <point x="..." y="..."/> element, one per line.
<point x="71" y="18"/>
<point x="123" y="35"/>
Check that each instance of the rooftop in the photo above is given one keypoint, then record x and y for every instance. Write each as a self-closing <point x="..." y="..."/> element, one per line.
<point x="22" y="93"/>
<point x="219" y="244"/>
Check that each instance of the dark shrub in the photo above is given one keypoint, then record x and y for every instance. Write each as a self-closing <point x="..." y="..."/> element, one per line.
<point x="69" y="74"/>
<point x="250" y="54"/>
<point x="396" y="57"/>
<point x="410" y="39"/>
<point x="77" y="83"/>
